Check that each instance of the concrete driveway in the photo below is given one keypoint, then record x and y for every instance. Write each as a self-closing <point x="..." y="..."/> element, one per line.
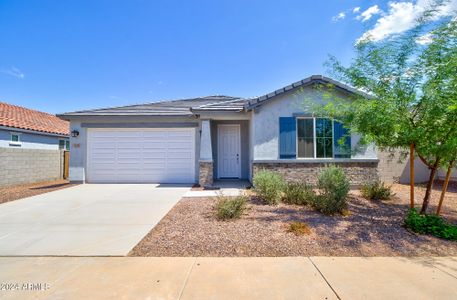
<point x="85" y="220"/>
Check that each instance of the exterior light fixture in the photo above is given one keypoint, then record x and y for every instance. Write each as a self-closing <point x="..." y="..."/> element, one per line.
<point x="74" y="133"/>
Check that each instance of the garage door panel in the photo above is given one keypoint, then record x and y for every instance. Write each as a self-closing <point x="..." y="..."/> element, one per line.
<point x="141" y="155"/>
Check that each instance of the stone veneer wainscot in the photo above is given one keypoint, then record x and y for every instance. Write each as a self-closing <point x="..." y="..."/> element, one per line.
<point x="358" y="172"/>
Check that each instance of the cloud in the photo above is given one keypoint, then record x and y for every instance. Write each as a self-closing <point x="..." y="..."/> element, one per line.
<point x="339" y="17"/>
<point x="402" y="16"/>
<point x="356" y="9"/>
<point x="425" y="39"/>
<point x="367" y="14"/>
<point x="13" y="71"/>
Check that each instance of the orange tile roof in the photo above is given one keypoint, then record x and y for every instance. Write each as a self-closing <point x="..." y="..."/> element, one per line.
<point x="24" y="118"/>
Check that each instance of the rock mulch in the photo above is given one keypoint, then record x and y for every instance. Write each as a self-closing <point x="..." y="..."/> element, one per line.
<point x="371" y="229"/>
<point x="16" y="192"/>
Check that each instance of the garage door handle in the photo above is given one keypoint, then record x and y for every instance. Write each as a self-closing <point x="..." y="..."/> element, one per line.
<point x="237" y="158"/>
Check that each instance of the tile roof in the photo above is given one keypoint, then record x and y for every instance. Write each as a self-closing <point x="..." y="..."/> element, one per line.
<point x="23" y="118"/>
<point x="189" y="107"/>
<point x="180" y="107"/>
<point x="254" y="102"/>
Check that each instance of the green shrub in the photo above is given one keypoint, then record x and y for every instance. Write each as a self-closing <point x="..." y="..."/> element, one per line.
<point x="376" y="190"/>
<point x="298" y="193"/>
<point x="230" y="208"/>
<point x="299" y="228"/>
<point x="430" y="224"/>
<point x="333" y="190"/>
<point x="268" y="186"/>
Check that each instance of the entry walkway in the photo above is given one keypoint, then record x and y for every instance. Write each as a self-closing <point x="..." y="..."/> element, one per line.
<point x="227" y="278"/>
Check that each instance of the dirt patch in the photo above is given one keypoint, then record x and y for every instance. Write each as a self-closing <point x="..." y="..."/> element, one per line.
<point x="371" y="229"/>
<point x="16" y="192"/>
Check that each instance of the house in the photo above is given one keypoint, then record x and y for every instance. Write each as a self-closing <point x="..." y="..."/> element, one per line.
<point x="31" y="145"/>
<point x="203" y="139"/>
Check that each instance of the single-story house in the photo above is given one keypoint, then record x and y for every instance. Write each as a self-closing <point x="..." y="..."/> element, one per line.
<point x="204" y="139"/>
<point x="31" y="145"/>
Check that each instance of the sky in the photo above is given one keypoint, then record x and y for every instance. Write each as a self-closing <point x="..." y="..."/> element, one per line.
<point x="60" y="56"/>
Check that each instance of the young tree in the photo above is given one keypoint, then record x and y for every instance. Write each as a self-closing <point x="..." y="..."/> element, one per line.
<point x="410" y="93"/>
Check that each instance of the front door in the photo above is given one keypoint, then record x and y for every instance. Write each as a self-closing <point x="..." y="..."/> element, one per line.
<point x="229" y="151"/>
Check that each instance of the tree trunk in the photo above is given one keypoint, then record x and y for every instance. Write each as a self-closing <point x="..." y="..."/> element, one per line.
<point x="445" y="185"/>
<point x="428" y="192"/>
<point x="411" y="176"/>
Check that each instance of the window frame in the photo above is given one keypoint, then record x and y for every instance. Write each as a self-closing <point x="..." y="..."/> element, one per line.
<point x="314" y="139"/>
<point x="15" y="143"/>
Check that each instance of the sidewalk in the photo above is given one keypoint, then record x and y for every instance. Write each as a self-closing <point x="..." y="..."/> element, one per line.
<point x="227" y="278"/>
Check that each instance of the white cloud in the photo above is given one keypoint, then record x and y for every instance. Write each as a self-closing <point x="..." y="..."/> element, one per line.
<point x="367" y="14"/>
<point x="339" y="17"/>
<point x="356" y="9"/>
<point x="425" y="39"/>
<point x="402" y="16"/>
<point x="13" y="71"/>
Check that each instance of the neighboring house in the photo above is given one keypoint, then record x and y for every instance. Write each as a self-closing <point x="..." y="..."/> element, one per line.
<point x="31" y="145"/>
<point x="218" y="137"/>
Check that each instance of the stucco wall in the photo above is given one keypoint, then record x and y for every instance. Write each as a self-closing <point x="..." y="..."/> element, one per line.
<point x="78" y="145"/>
<point x="265" y="122"/>
<point x="30" y="140"/>
<point x="19" y="166"/>
<point x="245" y="157"/>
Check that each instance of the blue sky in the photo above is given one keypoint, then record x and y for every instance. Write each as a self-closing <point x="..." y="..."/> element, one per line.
<point x="59" y="56"/>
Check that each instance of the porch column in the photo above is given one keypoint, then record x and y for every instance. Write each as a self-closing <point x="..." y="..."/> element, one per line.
<point x="206" y="156"/>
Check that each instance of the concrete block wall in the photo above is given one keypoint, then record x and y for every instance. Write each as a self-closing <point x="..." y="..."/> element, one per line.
<point x="21" y="166"/>
<point x="394" y="168"/>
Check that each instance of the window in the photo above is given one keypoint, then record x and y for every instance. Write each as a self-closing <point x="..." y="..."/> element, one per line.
<point x="67" y="145"/>
<point x="305" y="137"/>
<point x="324" y="138"/>
<point x="314" y="138"/>
<point x="61" y="144"/>
<point x="15" y="139"/>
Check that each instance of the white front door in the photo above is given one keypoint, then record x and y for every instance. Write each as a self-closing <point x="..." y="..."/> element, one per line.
<point x="229" y="151"/>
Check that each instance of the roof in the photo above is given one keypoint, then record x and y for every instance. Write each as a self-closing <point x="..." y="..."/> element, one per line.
<point x="181" y="107"/>
<point x="189" y="107"/>
<point x="23" y="118"/>
<point x="314" y="79"/>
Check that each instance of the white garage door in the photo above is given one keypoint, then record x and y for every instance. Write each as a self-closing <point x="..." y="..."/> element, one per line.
<point x="141" y="155"/>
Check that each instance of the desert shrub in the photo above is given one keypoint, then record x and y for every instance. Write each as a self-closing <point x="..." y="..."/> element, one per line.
<point x="299" y="228"/>
<point x="430" y="224"/>
<point x="298" y="193"/>
<point x="230" y="208"/>
<point x="376" y="190"/>
<point x="268" y="186"/>
<point x="333" y="188"/>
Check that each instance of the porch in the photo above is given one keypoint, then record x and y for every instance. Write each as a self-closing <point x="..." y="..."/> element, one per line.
<point x="224" y="153"/>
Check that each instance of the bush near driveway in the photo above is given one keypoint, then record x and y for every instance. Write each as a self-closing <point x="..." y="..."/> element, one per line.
<point x="430" y="224"/>
<point x="298" y="193"/>
<point x="333" y="188"/>
<point x="230" y="208"/>
<point x="299" y="228"/>
<point x="268" y="186"/>
<point x="376" y="191"/>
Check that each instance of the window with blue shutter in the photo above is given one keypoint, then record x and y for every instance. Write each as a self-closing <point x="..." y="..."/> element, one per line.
<point x="341" y="150"/>
<point x="287" y="137"/>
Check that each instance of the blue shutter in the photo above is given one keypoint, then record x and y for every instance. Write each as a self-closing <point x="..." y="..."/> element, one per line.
<point x="341" y="151"/>
<point x="287" y="137"/>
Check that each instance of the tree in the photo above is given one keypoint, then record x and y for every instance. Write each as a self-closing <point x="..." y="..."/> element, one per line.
<point x="410" y="93"/>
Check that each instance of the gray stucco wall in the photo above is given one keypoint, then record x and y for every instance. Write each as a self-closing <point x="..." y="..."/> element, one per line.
<point x="78" y="145"/>
<point x="245" y="155"/>
<point x="265" y="123"/>
<point x="30" y="140"/>
<point x="20" y="166"/>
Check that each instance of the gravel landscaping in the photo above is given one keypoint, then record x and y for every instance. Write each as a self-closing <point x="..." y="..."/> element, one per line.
<point x="16" y="192"/>
<point x="371" y="229"/>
